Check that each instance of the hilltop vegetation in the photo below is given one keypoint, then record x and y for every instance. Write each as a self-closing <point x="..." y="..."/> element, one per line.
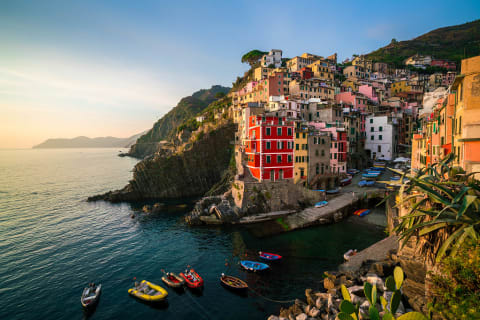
<point x="452" y="43"/>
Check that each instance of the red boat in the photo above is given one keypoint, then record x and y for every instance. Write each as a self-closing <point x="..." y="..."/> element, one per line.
<point x="192" y="279"/>
<point x="269" y="256"/>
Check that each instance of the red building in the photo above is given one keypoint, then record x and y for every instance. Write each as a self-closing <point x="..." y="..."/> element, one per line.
<point x="269" y="148"/>
<point x="306" y="73"/>
<point x="449" y="65"/>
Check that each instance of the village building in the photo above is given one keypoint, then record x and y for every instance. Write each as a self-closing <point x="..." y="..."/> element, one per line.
<point x="273" y="58"/>
<point x="381" y="132"/>
<point x="269" y="148"/>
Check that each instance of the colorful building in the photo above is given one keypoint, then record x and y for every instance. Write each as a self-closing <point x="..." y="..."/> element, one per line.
<point x="466" y="142"/>
<point x="269" y="148"/>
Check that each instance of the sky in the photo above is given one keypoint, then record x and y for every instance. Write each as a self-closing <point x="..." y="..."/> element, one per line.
<point x="112" y="68"/>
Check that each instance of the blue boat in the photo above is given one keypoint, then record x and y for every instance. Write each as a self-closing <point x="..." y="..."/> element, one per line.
<point x="362" y="183"/>
<point x="395" y="178"/>
<point x="364" y="213"/>
<point x="253" y="265"/>
<point x="321" y="204"/>
<point x="369" y="183"/>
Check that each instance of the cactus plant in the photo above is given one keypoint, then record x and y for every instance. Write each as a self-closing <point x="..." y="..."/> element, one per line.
<point x="394" y="284"/>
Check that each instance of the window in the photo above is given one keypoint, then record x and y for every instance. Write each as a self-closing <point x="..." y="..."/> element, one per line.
<point x="279" y="131"/>
<point x="372" y="129"/>
<point x="379" y="148"/>
<point x="303" y="159"/>
<point x="289" y="158"/>
<point x="268" y="145"/>
<point x="279" y="159"/>
<point x="371" y="138"/>
<point x="297" y="147"/>
<point x="316" y="153"/>
<point x="268" y="131"/>
<point x="323" y="141"/>
<point x="380" y="128"/>
<point x="460" y="125"/>
<point x="380" y="137"/>
<point x="296" y="135"/>
<point x="371" y="120"/>
<point x="323" y="153"/>
<point x="289" y="131"/>
<point x="268" y="159"/>
<point x="335" y="156"/>
<point x="279" y="145"/>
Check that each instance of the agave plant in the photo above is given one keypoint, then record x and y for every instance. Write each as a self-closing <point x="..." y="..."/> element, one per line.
<point x="444" y="205"/>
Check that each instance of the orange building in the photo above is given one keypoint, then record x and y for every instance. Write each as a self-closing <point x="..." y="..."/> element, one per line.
<point x="467" y="115"/>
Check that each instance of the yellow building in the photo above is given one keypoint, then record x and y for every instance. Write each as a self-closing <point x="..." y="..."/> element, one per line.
<point x="366" y="64"/>
<point x="300" y="169"/>
<point x="260" y="73"/>
<point x="400" y="86"/>
<point x="311" y="88"/>
<point x="321" y="70"/>
<point x="350" y="83"/>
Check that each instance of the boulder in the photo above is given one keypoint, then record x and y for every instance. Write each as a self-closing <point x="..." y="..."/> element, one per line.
<point x="356" y="290"/>
<point x="272" y="317"/>
<point x="301" y="316"/>
<point x="373" y="279"/>
<point x="310" y="297"/>
<point x="328" y="283"/>
<point x="314" y="312"/>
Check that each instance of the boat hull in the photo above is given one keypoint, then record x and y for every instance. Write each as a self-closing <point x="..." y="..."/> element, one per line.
<point x="159" y="294"/>
<point x="172" y="280"/>
<point x="254" y="266"/>
<point x="192" y="280"/>
<point x="90" y="303"/>
<point x="269" y="256"/>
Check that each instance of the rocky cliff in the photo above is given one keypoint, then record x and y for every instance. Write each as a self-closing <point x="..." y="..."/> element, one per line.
<point x="189" y="172"/>
<point x="166" y="127"/>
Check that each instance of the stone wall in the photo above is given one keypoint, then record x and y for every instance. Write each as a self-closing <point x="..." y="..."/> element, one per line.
<point x="257" y="197"/>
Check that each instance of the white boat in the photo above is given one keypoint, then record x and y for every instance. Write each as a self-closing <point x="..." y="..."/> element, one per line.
<point x="349" y="254"/>
<point x="90" y="295"/>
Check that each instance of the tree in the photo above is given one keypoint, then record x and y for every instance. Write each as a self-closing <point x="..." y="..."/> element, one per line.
<point x="252" y="57"/>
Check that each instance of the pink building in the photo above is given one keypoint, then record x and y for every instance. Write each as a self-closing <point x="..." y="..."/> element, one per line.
<point x="370" y="92"/>
<point x="357" y="101"/>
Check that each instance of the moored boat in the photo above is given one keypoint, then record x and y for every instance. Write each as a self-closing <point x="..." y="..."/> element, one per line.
<point x="321" y="204"/>
<point x="233" y="283"/>
<point x="254" y="265"/>
<point x="333" y="191"/>
<point x="192" y="279"/>
<point x="91" y="295"/>
<point x="349" y="254"/>
<point x="269" y="256"/>
<point x="362" y="212"/>
<point x="173" y="280"/>
<point x="345" y="181"/>
<point x="148" y="292"/>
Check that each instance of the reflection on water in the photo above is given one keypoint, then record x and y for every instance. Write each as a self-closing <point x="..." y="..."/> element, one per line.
<point x="53" y="243"/>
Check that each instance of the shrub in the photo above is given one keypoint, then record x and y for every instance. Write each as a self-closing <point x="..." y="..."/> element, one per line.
<point x="457" y="286"/>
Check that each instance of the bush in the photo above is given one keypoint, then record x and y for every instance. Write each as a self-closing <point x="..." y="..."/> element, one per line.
<point x="457" y="287"/>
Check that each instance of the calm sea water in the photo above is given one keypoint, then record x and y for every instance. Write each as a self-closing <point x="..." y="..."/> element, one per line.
<point x="53" y="243"/>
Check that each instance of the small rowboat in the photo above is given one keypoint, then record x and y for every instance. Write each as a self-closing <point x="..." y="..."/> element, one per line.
<point x="172" y="280"/>
<point x="269" y="256"/>
<point x="333" y="191"/>
<point x="349" y="254"/>
<point x="361" y="212"/>
<point x="90" y="295"/>
<point x="192" y="279"/>
<point x="233" y="283"/>
<point x="148" y="292"/>
<point x="321" y="204"/>
<point x="253" y="265"/>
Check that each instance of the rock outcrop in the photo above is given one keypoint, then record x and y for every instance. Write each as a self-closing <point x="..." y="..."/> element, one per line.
<point x="190" y="172"/>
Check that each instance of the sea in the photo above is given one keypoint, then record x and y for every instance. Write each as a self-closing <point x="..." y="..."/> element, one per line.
<point x="53" y="243"/>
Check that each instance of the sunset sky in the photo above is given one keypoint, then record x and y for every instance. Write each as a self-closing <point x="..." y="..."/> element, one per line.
<point x="112" y="68"/>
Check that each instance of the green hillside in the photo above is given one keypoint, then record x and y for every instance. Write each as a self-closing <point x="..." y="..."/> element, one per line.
<point x="452" y="43"/>
<point x="166" y="127"/>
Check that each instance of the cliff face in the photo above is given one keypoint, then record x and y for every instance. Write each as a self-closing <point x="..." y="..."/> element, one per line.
<point x="189" y="173"/>
<point x="165" y="128"/>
